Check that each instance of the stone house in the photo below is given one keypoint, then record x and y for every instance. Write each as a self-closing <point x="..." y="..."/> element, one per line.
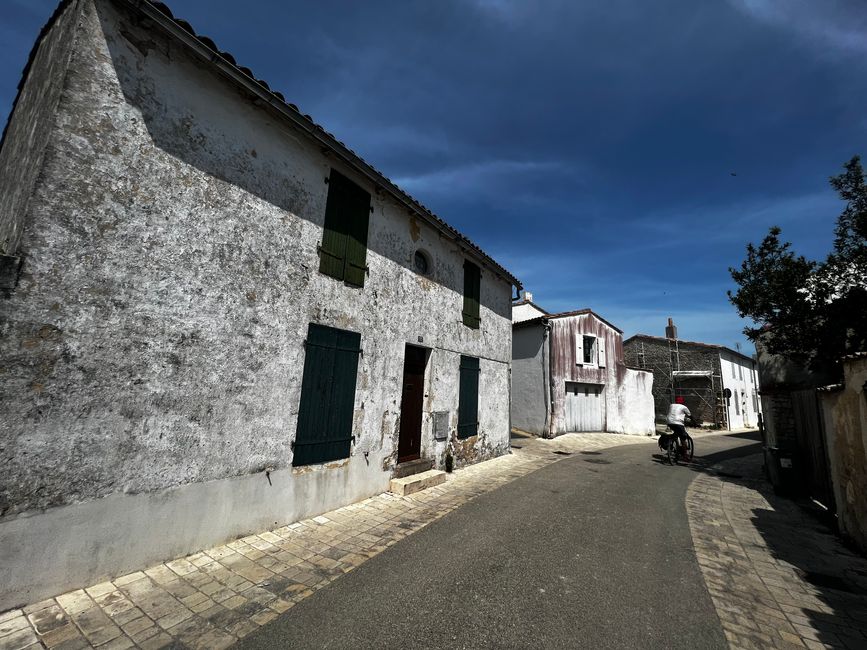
<point x="568" y="375"/>
<point x="718" y="385"/>
<point x="216" y="318"/>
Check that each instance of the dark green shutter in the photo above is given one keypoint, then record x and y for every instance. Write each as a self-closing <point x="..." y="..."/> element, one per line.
<point x="356" y="240"/>
<point x="472" y="295"/>
<point x="327" y="395"/>
<point x="468" y="398"/>
<point x="343" y="253"/>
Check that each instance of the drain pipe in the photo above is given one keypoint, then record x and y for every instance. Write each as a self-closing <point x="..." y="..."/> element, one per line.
<point x="546" y="376"/>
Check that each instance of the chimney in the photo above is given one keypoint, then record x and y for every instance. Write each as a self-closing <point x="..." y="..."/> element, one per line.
<point x="528" y="296"/>
<point x="671" y="330"/>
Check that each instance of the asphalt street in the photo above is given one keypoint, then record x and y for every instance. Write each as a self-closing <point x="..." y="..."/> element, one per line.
<point x="593" y="551"/>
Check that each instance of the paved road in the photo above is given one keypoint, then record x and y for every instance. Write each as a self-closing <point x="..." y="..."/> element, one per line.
<point x="590" y="552"/>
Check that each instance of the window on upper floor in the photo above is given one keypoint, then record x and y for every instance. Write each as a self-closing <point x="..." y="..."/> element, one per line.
<point x="472" y="295"/>
<point x="343" y="251"/>
<point x="589" y="350"/>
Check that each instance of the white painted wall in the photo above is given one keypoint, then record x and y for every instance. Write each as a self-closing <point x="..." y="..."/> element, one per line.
<point x="740" y="376"/>
<point x="635" y="411"/>
<point x="525" y="311"/>
<point x="528" y="406"/>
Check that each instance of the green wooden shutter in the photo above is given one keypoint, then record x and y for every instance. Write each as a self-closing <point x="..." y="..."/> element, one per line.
<point x="472" y="295"/>
<point x="358" y="212"/>
<point x="343" y="253"/>
<point x="468" y="398"/>
<point x="324" y="430"/>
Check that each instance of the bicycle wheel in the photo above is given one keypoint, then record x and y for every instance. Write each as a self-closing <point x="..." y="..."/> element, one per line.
<point x="672" y="450"/>
<point x="690" y="448"/>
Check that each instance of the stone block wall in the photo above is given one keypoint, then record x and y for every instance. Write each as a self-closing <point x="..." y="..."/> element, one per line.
<point x="655" y="355"/>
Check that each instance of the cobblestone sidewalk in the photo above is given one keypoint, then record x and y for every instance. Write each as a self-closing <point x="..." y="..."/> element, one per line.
<point x="212" y="598"/>
<point x="777" y="576"/>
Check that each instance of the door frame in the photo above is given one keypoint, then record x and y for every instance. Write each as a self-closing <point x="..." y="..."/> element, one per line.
<point x="426" y="353"/>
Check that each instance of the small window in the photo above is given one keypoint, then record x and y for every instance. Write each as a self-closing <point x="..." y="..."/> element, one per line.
<point x="734" y="375"/>
<point x="741" y="372"/>
<point x="421" y="263"/>
<point x="472" y="295"/>
<point x="587" y="350"/>
<point x="737" y="403"/>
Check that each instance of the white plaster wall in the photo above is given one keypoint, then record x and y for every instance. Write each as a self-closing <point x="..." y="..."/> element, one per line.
<point x="528" y="406"/>
<point x="521" y="313"/>
<point x="634" y="411"/>
<point x="156" y="339"/>
<point x="745" y="381"/>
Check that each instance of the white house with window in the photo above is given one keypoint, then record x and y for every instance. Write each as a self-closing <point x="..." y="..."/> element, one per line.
<point x="740" y="380"/>
<point x="217" y="318"/>
<point x="568" y="375"/>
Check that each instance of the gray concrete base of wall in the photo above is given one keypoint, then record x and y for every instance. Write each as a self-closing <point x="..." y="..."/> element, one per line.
<point x="47" y="553"/>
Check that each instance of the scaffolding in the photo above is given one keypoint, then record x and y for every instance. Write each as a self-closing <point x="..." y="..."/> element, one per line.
<point x="709" y="395"/>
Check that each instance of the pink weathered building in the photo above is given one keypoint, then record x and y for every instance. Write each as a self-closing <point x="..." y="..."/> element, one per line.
<point x="569" y="375"/>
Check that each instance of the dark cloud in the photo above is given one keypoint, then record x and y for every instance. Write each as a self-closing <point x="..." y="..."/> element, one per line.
<point x="590" y="145"/>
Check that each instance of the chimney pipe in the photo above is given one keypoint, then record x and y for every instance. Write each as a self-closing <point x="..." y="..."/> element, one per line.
<point x="671" y="330"/>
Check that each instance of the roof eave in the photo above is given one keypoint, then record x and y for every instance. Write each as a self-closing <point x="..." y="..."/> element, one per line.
<point x="315" y="132"/>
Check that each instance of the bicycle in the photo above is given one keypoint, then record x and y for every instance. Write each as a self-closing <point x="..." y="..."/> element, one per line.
<point x="668" y="444"/>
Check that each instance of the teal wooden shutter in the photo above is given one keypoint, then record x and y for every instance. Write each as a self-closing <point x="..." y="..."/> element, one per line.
<point x="343" y="252"/>
<point x="472" y="295"/>
<point x="324" y="430"/>
<point x="468" y="398"/>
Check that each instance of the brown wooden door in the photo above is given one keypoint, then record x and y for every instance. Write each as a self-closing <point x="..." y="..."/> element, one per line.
<point x="411" y="403"/>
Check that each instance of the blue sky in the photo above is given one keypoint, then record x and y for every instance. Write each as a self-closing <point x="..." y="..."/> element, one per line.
<point x="588" y="146"/>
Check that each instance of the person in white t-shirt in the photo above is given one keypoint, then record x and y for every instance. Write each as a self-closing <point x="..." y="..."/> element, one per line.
<point x="677" y="414"/>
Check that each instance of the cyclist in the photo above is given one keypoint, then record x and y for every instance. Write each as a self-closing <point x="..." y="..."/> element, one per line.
<point x="677" y="414"/>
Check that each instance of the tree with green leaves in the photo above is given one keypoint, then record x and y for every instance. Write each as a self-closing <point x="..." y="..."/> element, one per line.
<point x="811" y="312"/>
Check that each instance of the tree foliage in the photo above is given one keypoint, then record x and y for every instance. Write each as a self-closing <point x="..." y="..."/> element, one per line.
<point x="813" y="313"/>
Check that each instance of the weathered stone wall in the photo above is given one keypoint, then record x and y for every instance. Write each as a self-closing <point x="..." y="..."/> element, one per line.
<point x="778" y="419"/>
<point x="656" y="356"/>
<point x="25" y="137"/>
<point x="153" y="349"/>
<point x="846" y="433"/>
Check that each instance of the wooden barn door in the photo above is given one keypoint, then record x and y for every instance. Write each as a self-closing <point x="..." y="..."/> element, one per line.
<point x="585" y="407"/>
